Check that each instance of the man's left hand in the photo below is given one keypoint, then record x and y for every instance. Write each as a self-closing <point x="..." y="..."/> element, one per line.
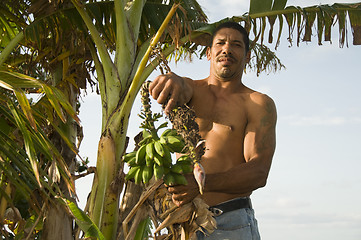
<point x="182" y="194"/>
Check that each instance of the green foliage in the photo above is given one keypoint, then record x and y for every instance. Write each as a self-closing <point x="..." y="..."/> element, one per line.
<point x="144" y="229"/>
<point x="84" y="222"/>
<point x="26" y="152"/>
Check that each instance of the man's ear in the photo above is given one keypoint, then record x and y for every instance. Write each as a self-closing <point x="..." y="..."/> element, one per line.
<point x="208" y="53"/>
<point x="248" y="56"/>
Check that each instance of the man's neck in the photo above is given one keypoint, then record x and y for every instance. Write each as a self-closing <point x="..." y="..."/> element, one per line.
<point x="225" y="85"/>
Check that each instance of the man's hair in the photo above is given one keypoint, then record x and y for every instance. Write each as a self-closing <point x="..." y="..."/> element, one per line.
<point x="235" y="26"/>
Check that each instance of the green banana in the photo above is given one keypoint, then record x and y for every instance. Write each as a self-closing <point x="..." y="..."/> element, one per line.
<point x="149" y="161"/>
<point x="176" y="168"/>
<point x="131" y="173"/>
<point x="187" y="167"/>
<point x="174" y="143"/>
<point x="129" y="156"/>
<point x="169" y="132"/>
<point x="140" y="156"/>
<point x="184" y="158"/>
<point x="147" y="174"/>
<point x="167" y="159"/>
<point x="138" y="175"/>
<point x="166" y="170"/>
<point x="167" y="162"/>
<point x="145" y="140"/>
<point x="167" y="155"/>
<point x="158" y="159"/>
<point x="131" y="162"/>
<point x="150" y="149"/>
<point x="180" y="179"/>
<point x="186" y="163"/>
<point x="158" y="171"/>
<point x="163" y="140"/>
<point x="159" y="148"/>
<point x="169" y="179"/>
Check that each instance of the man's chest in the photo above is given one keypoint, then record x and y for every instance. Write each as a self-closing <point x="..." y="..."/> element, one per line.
<point x="227" y="113"/>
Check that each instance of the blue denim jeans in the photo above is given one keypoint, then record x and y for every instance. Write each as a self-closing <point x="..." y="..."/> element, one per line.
<point x="239" y="224"/>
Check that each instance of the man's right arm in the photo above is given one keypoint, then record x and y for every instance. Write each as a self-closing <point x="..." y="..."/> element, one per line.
<point x="172" y="90"/>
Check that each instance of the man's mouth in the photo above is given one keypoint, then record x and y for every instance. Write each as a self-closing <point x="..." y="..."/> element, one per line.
<point x="226" y="60"/>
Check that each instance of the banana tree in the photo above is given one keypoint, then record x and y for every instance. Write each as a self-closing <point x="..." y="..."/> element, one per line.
<point x="39" y="49"/>
<point x="119" y="83"/>
<point x="132" y="12"/>
<point x="123" y="30"/>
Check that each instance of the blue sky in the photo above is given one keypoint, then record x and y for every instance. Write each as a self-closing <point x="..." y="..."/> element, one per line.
<point x="313" y="191"/>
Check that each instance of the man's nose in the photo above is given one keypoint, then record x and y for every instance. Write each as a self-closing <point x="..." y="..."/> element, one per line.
<point x="226" y="49"/>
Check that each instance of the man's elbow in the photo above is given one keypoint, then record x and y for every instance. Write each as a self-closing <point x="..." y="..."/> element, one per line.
<point x="262" y="176"/>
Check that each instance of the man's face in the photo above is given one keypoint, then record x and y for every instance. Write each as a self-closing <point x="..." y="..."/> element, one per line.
<point x="227" y="54"/>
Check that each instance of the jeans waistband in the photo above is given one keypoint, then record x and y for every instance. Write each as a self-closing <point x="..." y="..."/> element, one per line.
<point x="231" y="205"/>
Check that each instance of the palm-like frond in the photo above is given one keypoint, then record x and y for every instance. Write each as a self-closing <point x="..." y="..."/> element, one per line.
<point x="12" y="20"/>
<point x="302" y="21"/>
<point x="29" y="162"/>
<point x="263" y="16"/>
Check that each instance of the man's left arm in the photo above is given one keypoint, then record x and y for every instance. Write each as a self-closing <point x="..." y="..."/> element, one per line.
<point x="259" y="147"/>
<point x="260" y="138"/>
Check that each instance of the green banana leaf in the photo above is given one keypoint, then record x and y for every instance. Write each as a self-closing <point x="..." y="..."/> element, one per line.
<point x="84" y="222"/>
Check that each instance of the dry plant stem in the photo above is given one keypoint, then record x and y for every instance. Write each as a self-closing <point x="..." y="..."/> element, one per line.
<point x="139" y="216"/>
<point x="90" y="170"/>
<point x="183" y="120"/>
<point x="179" y="215"/>
<point x="150" y="189"/>
<point x="153" y="217"/>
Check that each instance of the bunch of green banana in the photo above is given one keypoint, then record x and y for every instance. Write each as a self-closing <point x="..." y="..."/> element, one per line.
<point x="153" y="158"/>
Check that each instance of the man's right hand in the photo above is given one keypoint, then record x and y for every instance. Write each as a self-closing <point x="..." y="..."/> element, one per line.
<point x="172" y="90"/>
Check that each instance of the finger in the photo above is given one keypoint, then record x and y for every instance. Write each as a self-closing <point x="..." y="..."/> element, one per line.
<point x="177" y="203"/>
<point x="164" y="93"/>
<point x="179" y="196"/>
<point x="180" y="199"/>
<point x="152" y="85"/>
<point x="175" y="189"/>
<point x="173" y="101"/>
<point x="170" y="106"/>
<point x="171" y="189"/>
<point x="155" y="88"/>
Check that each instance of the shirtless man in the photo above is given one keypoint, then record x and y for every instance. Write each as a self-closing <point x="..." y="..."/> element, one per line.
<point x="238" y="125"/>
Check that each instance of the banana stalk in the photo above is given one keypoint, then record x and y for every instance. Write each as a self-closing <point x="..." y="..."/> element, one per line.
<point x="104" y="193"/>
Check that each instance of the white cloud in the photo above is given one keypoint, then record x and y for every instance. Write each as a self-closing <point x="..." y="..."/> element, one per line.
<point x="217" y="10"/>
<point x="314" y="120"/>
<point x="313" y="218"/>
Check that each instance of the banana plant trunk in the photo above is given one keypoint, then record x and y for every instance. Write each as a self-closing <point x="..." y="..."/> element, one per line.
<point x="119" y="83"/>
<point x="56" y="215"/>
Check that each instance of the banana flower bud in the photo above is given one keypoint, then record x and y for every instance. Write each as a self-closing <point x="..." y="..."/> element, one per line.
<point x="199" y="175"/>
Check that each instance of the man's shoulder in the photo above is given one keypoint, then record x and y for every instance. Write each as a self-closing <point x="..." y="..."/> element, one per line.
<point x="261" y="103"/>
<point x="260" y="98"/>
<point x="198" y="84"/>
